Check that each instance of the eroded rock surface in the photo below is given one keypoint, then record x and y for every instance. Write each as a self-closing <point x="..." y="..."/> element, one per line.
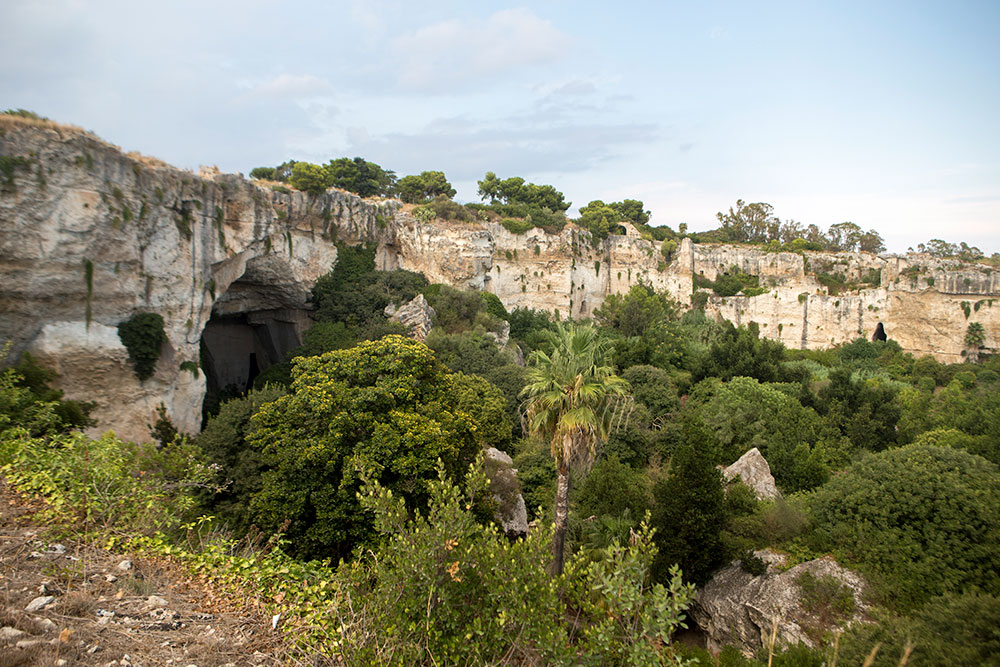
<point x="90" y="236"/>
<point x="416" y="315"/>
<point x="511" y="509"/>
<point x="738" y="609"/>
<point x="753" y="470"/>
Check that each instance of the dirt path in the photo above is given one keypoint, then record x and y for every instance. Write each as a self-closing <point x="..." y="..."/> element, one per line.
<point x="66" y="603"/>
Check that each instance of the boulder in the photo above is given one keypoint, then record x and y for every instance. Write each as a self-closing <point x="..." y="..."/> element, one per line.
<point x="511" y="509"/>
<point x="752" y="469"/>
<point x="739" y="609"/>
<point x="417" y="316"/>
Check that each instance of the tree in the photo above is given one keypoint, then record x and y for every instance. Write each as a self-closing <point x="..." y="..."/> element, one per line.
<point x="634" y="313"/>
<point x="690" y="512"/>
<point x="309" y="177"/>
<point x="750" y="223"/>
<point x="361" y="176"/>
<point x="385" y="408"/>
<point x="418" y="188"/>
<point x="975" y="338"/>
<point x="514" y="190"/>
<point x="845" y="236"/>
<point x="572" y="400"/>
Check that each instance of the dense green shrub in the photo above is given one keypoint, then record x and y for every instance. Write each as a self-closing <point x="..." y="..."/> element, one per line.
<point x="442" y="208"/>
<point x="384" y="407"/>
<point x="240" y="465"/>
<point x="921" y="519"/>
<point x="27" y="400"/>
<point x="143" y="337"/>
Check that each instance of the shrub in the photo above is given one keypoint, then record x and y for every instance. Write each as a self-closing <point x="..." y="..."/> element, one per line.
<point x="384" y="407"/>
<point x="143" y="337"/>
<point x="109" y="482"/>
<point x="921" y="519"/>
<point x="240" y="465"/>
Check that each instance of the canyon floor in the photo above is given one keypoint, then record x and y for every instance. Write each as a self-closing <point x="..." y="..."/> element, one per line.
<point x="64" y="602"/>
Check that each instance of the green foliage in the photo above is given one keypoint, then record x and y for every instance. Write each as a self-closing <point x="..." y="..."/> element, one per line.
<point x="826" y="599"/>
<point x="653" y="388"/>
<point x="627" y="620"/>
<point x="8" y="165"/>
<point x="515" y="191"/>
<point x="143" y="337"/>
<point x="442" y="208"/>
<point x="865" y="411"/>
<point x="689" y="511"/>
<point x="240" y="465"/>
<point x="355" y="293"/>
<point x="975" y="335"/>
<point x="365" y="178"/>
<point x="446" y="589"/>
<point x="426" y="185"/>
<point x="936" y="534"/>
<point x="28" y="400"/>
<point x="742" y="414"/>
<point x="634" y="313"/>
<point x="108" y="482"/>
<point x="516" y="226"/>
<point x="308" y="177"/>
<point x="741" y="351"/>
<point x="383" y="407"/>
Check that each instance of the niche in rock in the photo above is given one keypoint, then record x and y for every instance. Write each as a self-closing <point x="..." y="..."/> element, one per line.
<point x="254" y="325"/>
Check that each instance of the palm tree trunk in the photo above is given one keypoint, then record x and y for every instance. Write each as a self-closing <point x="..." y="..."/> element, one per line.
<point x="562" y="519"/>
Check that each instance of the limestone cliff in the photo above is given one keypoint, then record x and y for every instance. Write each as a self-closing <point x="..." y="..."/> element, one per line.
<point x="90" y="236"/>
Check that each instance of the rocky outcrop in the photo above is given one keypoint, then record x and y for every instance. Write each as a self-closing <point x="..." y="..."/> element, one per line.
<point x="752" y="469"/>
<point x="90" y="236"/>
<point x="738" y="609"/>
<point x="416" y="315"/>
<point x="511" y="509"/>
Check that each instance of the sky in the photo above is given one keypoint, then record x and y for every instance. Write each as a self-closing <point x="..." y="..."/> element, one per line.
<point x="882" y="113"/>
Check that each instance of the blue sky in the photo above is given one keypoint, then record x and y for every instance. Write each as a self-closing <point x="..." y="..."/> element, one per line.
<point x="881" y="113"/>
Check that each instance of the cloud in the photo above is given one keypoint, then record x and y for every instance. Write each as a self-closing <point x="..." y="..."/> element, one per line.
<point x="455" y="53"/>
<point x="467" y="148"/>
<point x="291" y="85"/>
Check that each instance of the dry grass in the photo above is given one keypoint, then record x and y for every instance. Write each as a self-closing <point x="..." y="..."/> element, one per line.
<point x="148" y="160"/>
<point x="8" y="121"/>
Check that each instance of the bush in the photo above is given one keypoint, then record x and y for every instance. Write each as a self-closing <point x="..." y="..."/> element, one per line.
<point x="108" y="482"/>
<point x="143" y="337"/>
<point x="921" y="519"/>
<point x="240" y="465"/>
<point x="384" y="407"/>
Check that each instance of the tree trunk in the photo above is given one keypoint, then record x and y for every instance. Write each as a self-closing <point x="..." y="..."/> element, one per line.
<point x="562" y="519"/>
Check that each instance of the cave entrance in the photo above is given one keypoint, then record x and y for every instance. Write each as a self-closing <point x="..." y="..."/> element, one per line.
<point x="254" y="325"/>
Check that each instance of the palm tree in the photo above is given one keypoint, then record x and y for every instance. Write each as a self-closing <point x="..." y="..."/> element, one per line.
<point x="573" y="400"/>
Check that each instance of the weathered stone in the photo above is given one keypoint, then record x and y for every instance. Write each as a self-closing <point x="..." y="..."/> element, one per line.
<point x="511" y="509"/>
<point x="752" y="469"/>
<point x="417" y="316"/>
<point x="40" y="602"/>
<point x="107" y="235"/>
<point x="738" y="609"/>
<point x="9" y="634"/>
<point x="154" y="601"/>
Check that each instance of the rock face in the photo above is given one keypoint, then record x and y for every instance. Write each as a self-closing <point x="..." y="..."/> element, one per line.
<point x="752" y="469"/>
<point x="90" y="236"/>
<point x="738" y="609"/>
<point x="511" y="510"/>
<point x="417" y="316"/>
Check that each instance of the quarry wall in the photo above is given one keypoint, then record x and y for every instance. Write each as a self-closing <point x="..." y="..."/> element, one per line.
<point x="90" y="236"/>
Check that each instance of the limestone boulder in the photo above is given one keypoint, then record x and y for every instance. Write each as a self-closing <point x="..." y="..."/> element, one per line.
<point x="739" y="609"/>
<point x="753" y="470"/>
<point x="417" y="316"/>
<point x="511" y="509"/>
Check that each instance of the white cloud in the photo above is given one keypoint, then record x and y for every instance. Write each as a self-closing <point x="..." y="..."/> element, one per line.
<point x="453" y="53"/>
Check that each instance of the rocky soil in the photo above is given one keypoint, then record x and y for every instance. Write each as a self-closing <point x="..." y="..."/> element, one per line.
<point x="63" y="602"/>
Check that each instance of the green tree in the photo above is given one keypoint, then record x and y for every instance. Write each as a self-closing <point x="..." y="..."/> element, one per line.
<point x="633" y="313"/>
<point x="309" y="177"/>
<point x="418" y="188"/>
<point x="689" y="511"/>
<point x="365" y="178"/>
<point x="749" y="223"/>
<point x="514" y="190"/>
<point x="384" y="407"/>
<point x="975" y="338"/>
<point x="571" y="400"/>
